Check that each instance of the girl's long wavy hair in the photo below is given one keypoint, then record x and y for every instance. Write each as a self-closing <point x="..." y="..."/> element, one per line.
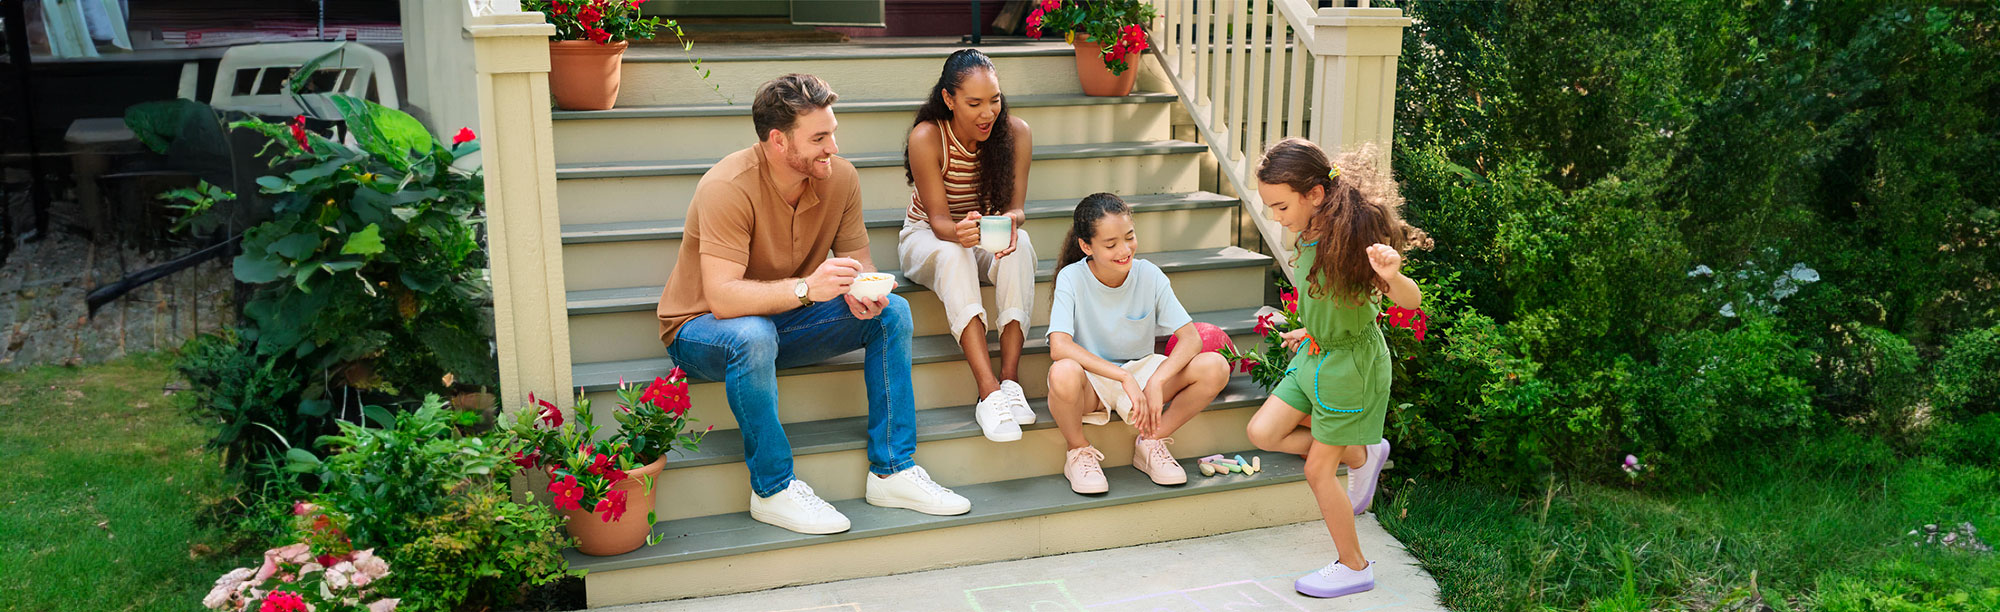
<point x="996" y="155"/>
<point x="1361" y="208"/>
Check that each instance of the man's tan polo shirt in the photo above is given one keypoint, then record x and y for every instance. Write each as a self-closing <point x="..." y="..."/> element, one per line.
<point x="738" y="215"/>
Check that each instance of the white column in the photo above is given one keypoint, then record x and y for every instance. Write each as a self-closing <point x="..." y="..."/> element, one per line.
<point x="1355" y="75"/>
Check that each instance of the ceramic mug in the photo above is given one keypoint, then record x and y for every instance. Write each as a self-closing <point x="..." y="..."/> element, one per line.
<point x="995" y="233"/>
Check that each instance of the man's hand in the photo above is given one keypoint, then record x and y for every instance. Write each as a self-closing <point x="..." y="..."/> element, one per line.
<point x="864" y="309"/>
<point x="832" y="279"/>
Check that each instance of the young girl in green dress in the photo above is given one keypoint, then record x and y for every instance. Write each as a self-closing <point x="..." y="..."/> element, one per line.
<point x="1330" y="405"/>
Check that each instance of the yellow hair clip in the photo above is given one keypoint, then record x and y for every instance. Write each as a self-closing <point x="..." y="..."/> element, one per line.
<point x="1333" y="173"/>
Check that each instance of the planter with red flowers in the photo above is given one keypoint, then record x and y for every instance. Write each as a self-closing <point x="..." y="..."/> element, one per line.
<point x="603" y="486"/>
<point x="586" y="53"/>
<point x="1108" y="36"/>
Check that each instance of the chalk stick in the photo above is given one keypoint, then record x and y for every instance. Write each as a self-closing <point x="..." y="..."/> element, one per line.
<point x="1236" y="469"/>
<point x="1225" y="462"/>
<point x="1251" y="469"/>
<point x="1211" y="458"/>
<point x="1257" y="462"/>
<point x="1207" y="469"/>
<point x="1241" y="461"/>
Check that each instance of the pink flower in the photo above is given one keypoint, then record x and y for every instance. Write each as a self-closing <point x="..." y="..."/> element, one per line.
<point x="527" y="460"/>
<point x="550" y="414"/>
<point x="369" y="565"/>
<point x="1050" y="5"/>
<point x="465" y="135"/>
<point x="227" y="588"/>
<point x="1264" y="324"/>
<point x="1035" y="19"/>
<point x="589" y="15"/>
<point x="567" y="493"/>
<point x="303" y="508"/>
<point x="282" y="601"/>
<point x="389" y="605"/>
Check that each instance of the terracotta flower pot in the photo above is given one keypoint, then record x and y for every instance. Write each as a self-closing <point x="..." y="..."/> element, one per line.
<point x="583" y="75"/>
<point x="598" y="538"/>
<point x="1098" y="80"/>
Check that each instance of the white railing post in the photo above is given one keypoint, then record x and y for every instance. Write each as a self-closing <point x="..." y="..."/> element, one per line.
<point x="1252" y="135"/>
<point x="1218" y="86"/>
<point x="1356" y="51"/>
<point x="524" y="233"/>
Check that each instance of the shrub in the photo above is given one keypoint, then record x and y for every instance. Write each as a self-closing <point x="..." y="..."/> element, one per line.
<point x="1739" y="387"/>
<point x="1966" y="379"/>
<point x="434" y="501"/>
<point x="251" y="401"/>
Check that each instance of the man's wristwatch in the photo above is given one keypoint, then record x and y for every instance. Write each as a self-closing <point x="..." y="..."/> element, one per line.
<point x="800" y="291"/>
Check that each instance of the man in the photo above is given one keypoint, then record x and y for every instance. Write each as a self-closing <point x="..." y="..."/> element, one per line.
<point x="754" y="291"/>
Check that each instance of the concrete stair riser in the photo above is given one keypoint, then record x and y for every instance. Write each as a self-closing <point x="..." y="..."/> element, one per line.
<point x="1277" y="503"/>
<point x="610" y="200"/>
<point x="622" y="139"/>
<point x="602" y="265"/>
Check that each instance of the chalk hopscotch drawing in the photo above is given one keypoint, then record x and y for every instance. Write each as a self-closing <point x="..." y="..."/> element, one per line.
<point x="1044" y="596"/>
<point x="1239" y="596"/>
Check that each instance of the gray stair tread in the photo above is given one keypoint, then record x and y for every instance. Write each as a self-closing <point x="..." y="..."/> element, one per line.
<point x="629" y="299"/>
<point x="604" y="375"/>
<point x="593" y="170"/>
<point x="904" y="105"/>
<point x="851" y="433"/>
<point x="669" y="229"/>
<point x="733" y="534"/>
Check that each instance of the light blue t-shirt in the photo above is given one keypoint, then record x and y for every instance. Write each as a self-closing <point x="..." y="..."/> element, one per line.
<point x="1117" y="324"/>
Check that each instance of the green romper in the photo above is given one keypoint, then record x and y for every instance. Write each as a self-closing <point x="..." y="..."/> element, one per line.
<point x="1346" y="386"/>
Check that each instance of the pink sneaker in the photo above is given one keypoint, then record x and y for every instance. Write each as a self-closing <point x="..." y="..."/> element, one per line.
<point x="1085" y="474"/>
<point x="1153" y="458"/>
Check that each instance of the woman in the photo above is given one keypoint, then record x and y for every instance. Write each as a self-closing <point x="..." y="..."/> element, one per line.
<point x="967" y="159"/>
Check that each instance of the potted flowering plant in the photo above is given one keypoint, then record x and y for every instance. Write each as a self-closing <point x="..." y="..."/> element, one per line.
<point x="601" y="484"/>
<point x="590" y="41"/>
<point x="322" y="573"/>
<point x="1108" y="36"/>
<point x="1266" y="365"/>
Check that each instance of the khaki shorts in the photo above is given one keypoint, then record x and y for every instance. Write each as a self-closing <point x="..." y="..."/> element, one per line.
<point x="1111" y="395"/>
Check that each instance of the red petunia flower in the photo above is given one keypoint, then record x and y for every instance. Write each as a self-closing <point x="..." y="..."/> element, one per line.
<point x="526" y="461"/>
<point x="1050" y="5"/>
<point x="550" y="414"/>
<point x="599" y="36"/>
<point x="567" y="493"/>
<point x="589" y="15"/>
<point x="464" y="136"/>
<point x="1290" y="297"/>
<point x="561" y="8"/>
<point x="298" y="126"/>
<point x="612" y="507"/>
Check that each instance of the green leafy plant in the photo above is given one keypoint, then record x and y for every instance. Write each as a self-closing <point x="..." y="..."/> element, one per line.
<point x="434" y="500"/>
<point x="1118" y="25"/>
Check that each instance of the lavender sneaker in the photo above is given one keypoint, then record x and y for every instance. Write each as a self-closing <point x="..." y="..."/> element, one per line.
<point x="1336" y="580"/>
<point x="1361" y="481"/>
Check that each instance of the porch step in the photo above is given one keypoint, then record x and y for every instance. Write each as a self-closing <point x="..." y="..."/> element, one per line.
<point x="1009" y="519"/>
<point x="715" y="130"/>
<point x="938" y="371"/>
<point x="609" y="192"/>
<point x="599" y="255"/>
<point x="886" y="68"/>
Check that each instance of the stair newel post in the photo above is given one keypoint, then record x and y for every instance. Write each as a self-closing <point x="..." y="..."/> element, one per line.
<point x="524" y="231"/>
<point x="1354" y="73"/>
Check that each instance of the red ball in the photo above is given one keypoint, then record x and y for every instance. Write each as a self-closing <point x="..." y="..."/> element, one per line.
<point x="1212" y="338"/>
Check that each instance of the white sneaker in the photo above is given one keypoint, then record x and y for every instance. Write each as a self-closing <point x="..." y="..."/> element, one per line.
<point x="1023" y="414"/>
<point x="913" y="489"/>
<point x="996" y="418"/>
<point x="798" y="509"/>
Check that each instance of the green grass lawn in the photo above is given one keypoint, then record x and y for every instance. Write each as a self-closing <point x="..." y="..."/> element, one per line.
<point x="104" y="478"/>
<point x="1825" y="533"/>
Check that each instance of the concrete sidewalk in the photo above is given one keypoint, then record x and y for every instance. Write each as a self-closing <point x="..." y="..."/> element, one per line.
<point x="1243" y="571"/>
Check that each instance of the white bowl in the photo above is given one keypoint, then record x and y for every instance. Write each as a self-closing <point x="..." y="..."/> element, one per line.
<point x="872" y="286"/>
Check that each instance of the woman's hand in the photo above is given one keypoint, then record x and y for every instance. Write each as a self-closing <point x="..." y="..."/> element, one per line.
<point x="968" y="231"/>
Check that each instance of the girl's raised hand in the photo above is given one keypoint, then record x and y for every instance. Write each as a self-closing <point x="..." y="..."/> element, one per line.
<point x="1385" y="260"/>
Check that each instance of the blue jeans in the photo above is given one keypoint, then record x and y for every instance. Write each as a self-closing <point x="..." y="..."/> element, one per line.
<point x="745" y="353"/>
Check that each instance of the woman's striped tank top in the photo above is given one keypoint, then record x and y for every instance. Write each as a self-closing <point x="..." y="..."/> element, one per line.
<point x="961" y="180"/>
